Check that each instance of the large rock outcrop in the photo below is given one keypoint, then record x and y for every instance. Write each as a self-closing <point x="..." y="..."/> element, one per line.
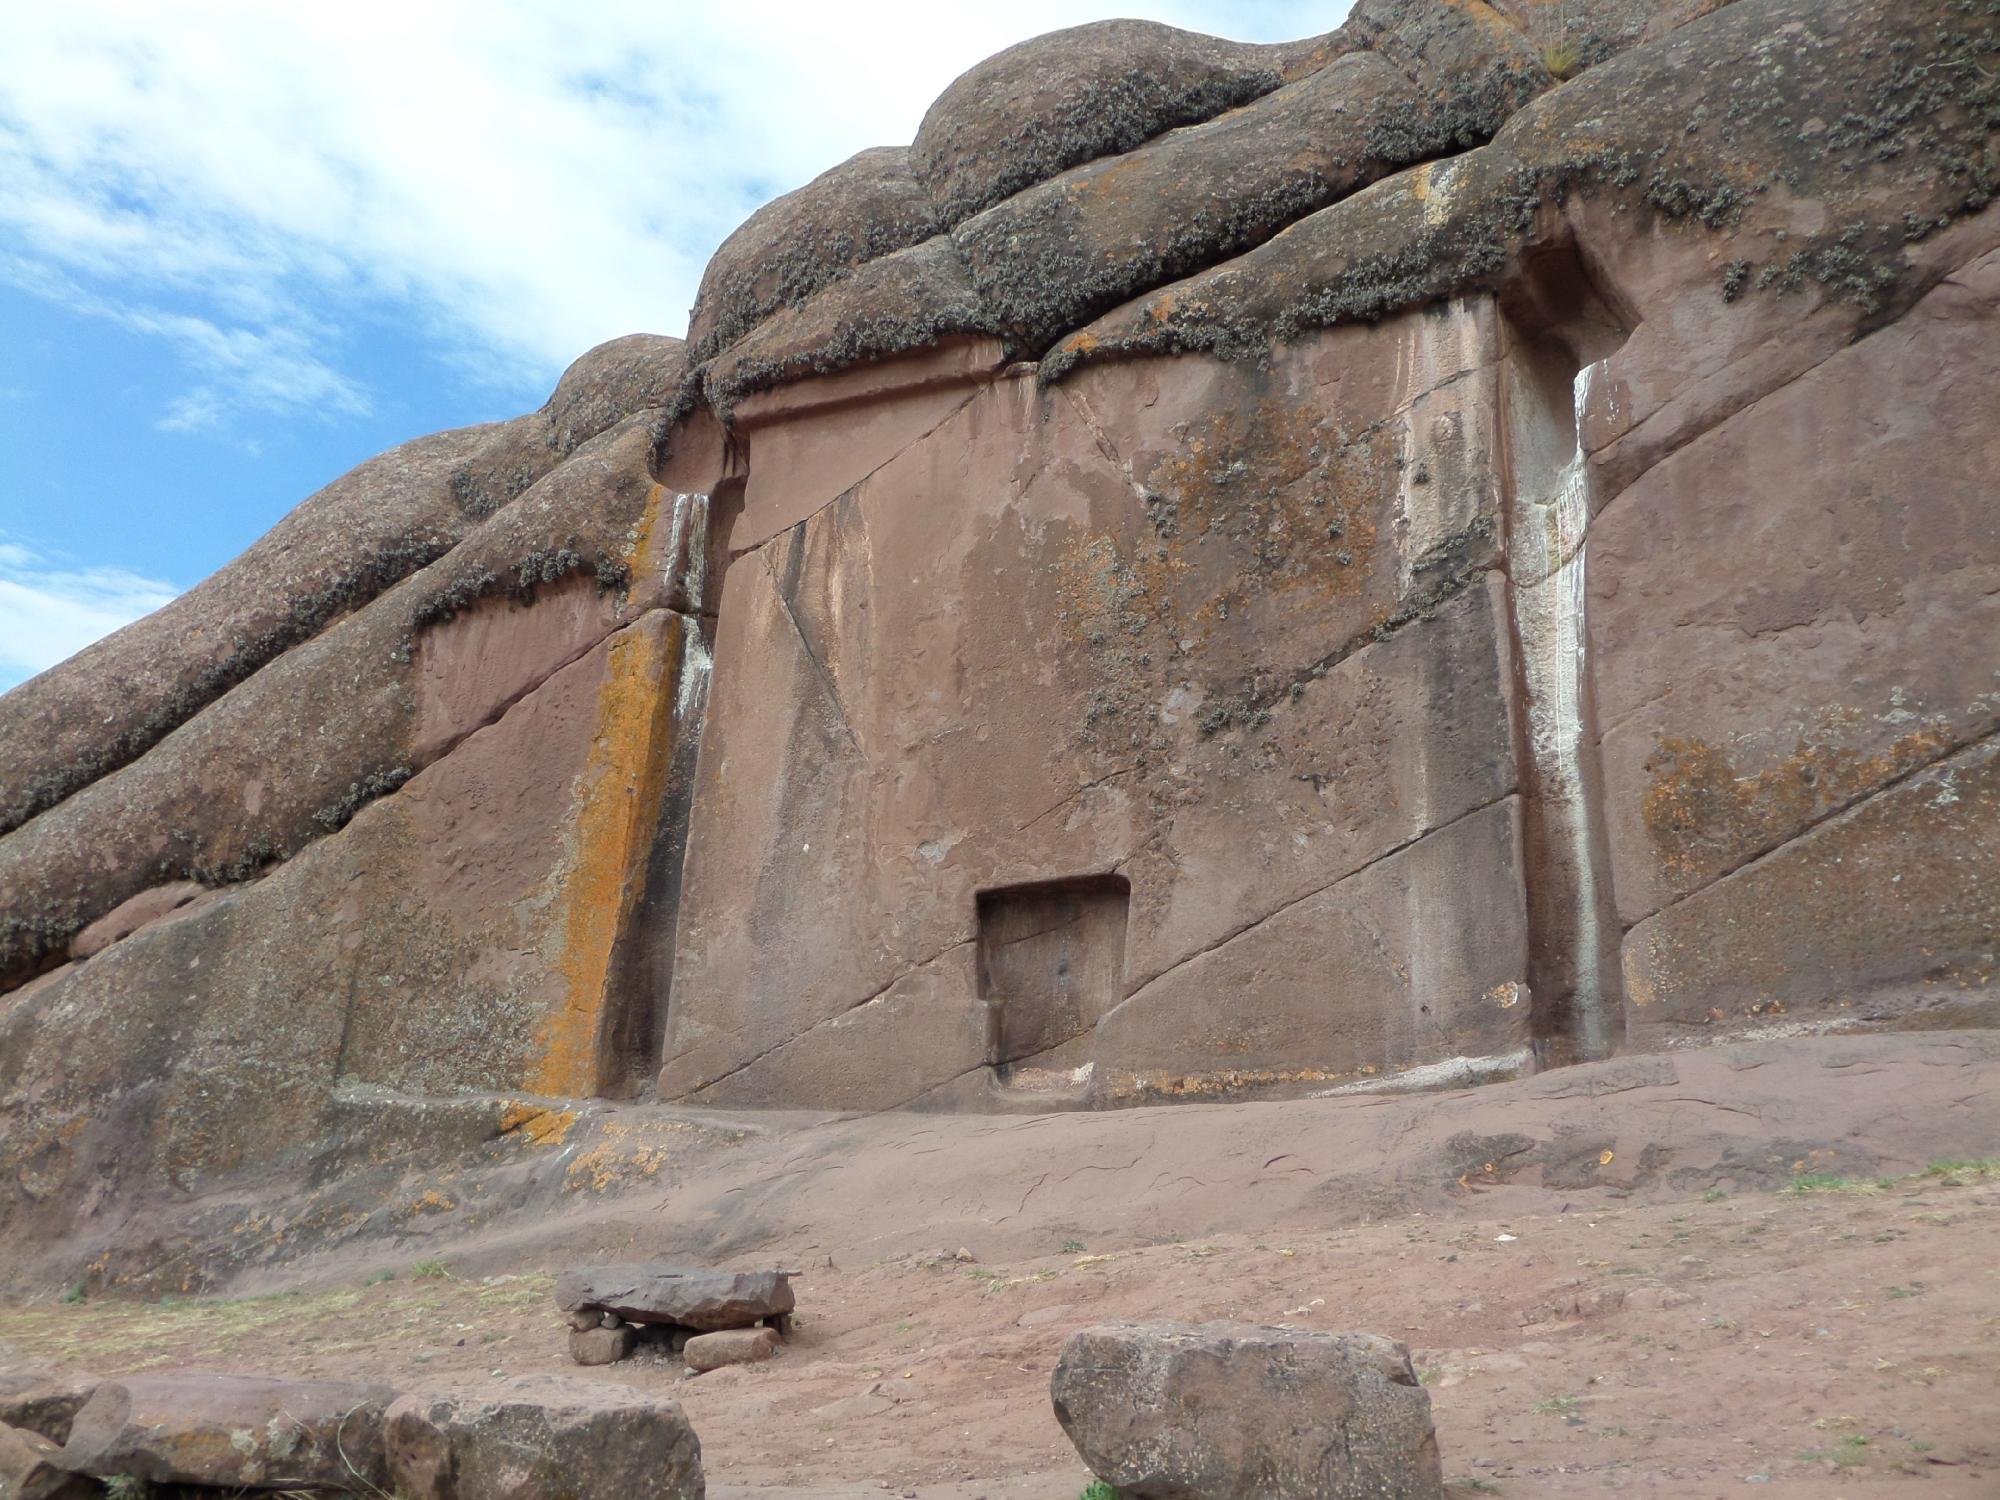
<point x="1416" y="556"/>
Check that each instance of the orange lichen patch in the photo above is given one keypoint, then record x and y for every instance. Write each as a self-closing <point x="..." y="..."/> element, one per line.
<point x="608" y="1165"/>
<point x="1280" y="501"/>
<point x="1704" y="817"/>
<point x="622" y="788"/>
<point x="432" y="1202"/>
<point x="539" y="1124"/>
<point x="658" y="503"/>
<point x="1483" y="14"/>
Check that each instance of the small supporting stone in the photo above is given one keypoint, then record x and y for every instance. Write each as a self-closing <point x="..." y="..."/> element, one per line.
<point x="600" y="1346"/>
<point x="734" y="1346"/>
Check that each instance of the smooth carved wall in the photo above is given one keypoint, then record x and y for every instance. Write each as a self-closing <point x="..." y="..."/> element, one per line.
<point x="1237" y="636"/>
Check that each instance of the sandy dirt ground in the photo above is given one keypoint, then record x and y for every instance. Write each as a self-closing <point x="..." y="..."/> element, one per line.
<point x="1837" y="1339"/>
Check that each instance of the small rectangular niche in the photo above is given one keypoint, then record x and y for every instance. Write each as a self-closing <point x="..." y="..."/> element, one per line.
<point x="1051" y="962"/>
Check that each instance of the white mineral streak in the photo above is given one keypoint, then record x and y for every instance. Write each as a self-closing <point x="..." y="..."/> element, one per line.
<point x="691" y="704"/>
<point x="687" y="545"/>
<point x="687" y="549"/>
<point x="1547" y="557"/>
<point x="1449" y="1073"/>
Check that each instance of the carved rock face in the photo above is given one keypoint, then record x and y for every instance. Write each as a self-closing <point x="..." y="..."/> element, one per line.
<point x="1429" y="623"/>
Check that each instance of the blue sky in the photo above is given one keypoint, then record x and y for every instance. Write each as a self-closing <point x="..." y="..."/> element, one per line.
<point x="244" y="244"/>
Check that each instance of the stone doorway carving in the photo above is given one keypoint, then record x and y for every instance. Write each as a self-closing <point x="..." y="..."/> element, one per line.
<point x="1051" y="963"/>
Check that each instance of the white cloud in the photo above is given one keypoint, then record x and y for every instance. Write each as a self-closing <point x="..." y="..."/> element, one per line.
<point x="524" y="179"/>
<point x="49" y="610"/>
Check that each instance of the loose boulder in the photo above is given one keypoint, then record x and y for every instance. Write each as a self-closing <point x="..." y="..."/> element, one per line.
<point x="731" y="1346"/>
<point x="701" y="1300"/>
<point x="541" y="1438"/>
<point x="232" y="1430"/>
<point x="1225" y="1411"/>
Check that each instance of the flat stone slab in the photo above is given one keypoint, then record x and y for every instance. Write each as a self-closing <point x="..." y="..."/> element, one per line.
<point x="705" y="1300"/>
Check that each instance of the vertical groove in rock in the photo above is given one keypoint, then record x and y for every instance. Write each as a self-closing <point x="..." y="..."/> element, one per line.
<point x="1573" y="970"/>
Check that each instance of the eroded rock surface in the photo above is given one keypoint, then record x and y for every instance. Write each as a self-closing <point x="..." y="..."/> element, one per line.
<point x="43" y="1402"/>
<point x="232" y="1430"/>
<point x="540" y="1437"/>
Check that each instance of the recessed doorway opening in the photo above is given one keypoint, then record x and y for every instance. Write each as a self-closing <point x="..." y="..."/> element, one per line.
<point x="1051" y="963"/>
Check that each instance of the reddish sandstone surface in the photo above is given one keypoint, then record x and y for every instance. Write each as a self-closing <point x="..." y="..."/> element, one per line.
<point x="1359" y="675"/>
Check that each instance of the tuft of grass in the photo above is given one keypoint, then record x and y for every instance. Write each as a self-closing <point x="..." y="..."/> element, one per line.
<point x="1808" y="1183"/>
<point x="73" y="1293"/>
<point x="1072" y="1247"/>
<point x="1958" y="1173"/>
<point x="1556" y="1406"/>
<point x="379" y="1277"/>
<point x="1714" y="1195"/>
<point x="126" y="1487"/>
<point x="429" y="1270"/>
<point x="1097" y="1489"/>
<point x="1849" y="1452"/>
<point x="1562" y="58"/>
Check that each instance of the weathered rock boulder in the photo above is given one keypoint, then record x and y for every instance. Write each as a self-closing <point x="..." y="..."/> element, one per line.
<point x="1052" y="103"/>
<point x="602" y="1346"/>
<point x="730" y="1346"/>
<point x="43" y="1402"/>
<point x="867" y="207"/>
<point x="232" y="1430"/>
<point x="292" y="754"/>
<point x="1223" y="1411"/>
<point x="669" y="1294"/>
<point x="1082" y="168"/>
<point x="541" y="1438"/>
<point x="1666" y="138"/>
<point x="30" y="1469"/>
<point x="367" y="530"/>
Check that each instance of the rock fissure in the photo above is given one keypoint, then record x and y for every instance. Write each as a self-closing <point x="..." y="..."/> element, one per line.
<point x="868" y="999"/>
<point x="827" y="687"/>
<point x="1831" y="814"/>
<point x="1278" y="911"/>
